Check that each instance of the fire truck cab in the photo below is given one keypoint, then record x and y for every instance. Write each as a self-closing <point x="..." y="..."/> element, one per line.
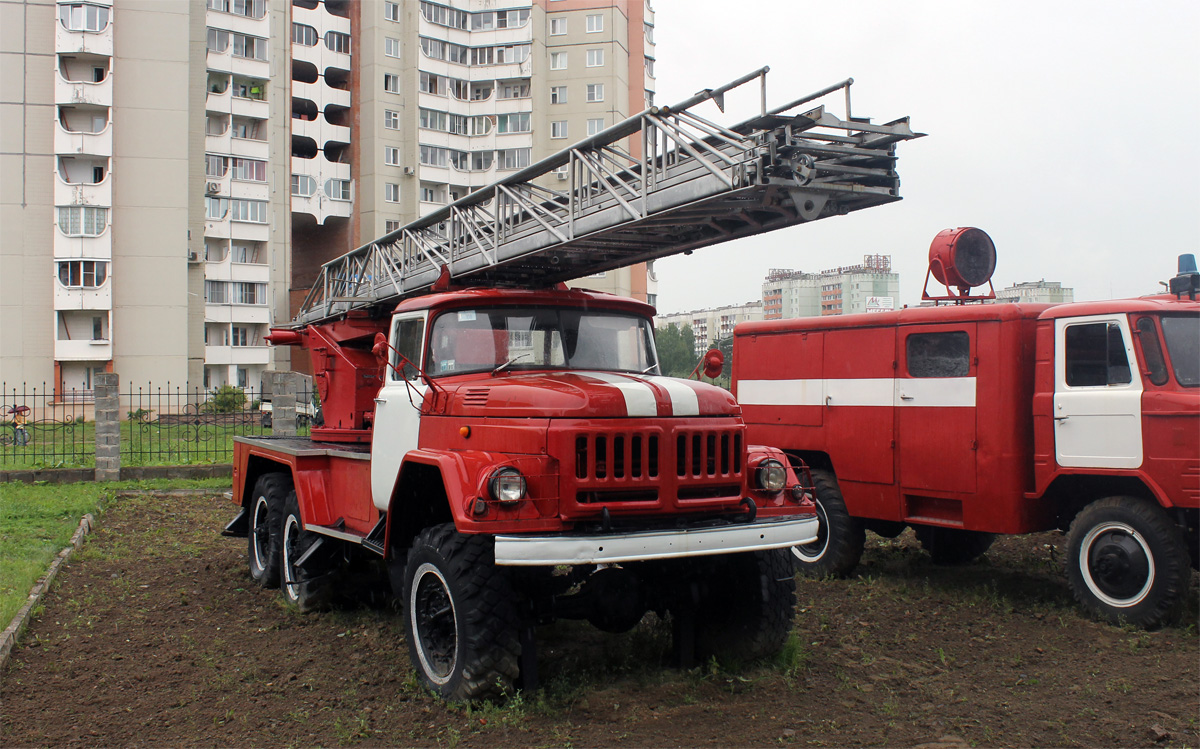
<point x="967" y="421"/>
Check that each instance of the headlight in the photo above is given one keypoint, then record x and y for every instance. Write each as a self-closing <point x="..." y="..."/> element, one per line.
<point x="771" y="476"/>
<point x="507" y="485"/>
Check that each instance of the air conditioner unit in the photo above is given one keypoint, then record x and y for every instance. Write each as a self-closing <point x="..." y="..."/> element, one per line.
<point x="409" y="170"/>
<point x="561" y="175"/>
<point x="212" y="188"/>
<point x="193" y="257"/>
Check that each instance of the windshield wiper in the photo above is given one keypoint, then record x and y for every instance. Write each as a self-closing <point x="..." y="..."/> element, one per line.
<point x="506" y="364"/>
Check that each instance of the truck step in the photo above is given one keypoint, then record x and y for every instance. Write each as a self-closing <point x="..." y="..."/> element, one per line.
<point x="374" y="540"/>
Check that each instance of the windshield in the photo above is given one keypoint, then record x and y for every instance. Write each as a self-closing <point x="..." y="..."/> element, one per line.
<point x="1182" y="334"/>
<point x="524" y="338"/>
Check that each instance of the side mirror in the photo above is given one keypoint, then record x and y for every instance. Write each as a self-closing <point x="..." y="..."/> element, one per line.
<point x="714" y="363"/>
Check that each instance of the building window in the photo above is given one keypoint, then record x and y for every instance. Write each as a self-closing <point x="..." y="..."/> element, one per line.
<point x="595" y="92"/>
<point x="216" y="208"/>
<point x="250" y="211"/>
<point x="558" y="26"/>
<point x="595" y="23"/>
<point x="558" y="60"/>
<point x="428" y="194"/>
<point x="248" y="8"/>
<point x="391" y="47"/>
<point x="249" y="47"/>
<point x="391" y="119"/>
<point x="82" y="274"/>
<point x="337" y="189"/>
<point x="218" y="40"/>
<point x="241" y="336"/>
<point x="558" y="129"/>
<point x="443" y="16"/>
<point x="481" y="161"/>
<point x="595" y="58"/>
<point x="391" y="11"/>
<point x="336" y="41"/>
<point x="248" y="293"/>
<point x="513" y="91"/>
<point x="513" y="123"/>
<point x="247" y="254"/>
<point x="595" y="125"/>
<point x="82" y="221"/>
<point x="391" y="155"/>
<point x="514" y="158"/>
<point x="215" y="166"/>
<point x="214" y="250"/>
<point x="391" y="83"/>
<point x="433" y="156"/>
<point x="649" y="33"/>
<point x="391" y="192"/>
<point x="433" y="84"/>
<point x="304" y="35"/>
<point x="430" y="119"/>
<point x="390" y="226"/>
<point x="246" y="129"/>
<point x="216" y="292"/>
<point x="650" y="66"/>
<point x="83" y="17"/>
<point x="558" y="94"/>
<point x="249" y="170"/>
<point x="649" y="98"/>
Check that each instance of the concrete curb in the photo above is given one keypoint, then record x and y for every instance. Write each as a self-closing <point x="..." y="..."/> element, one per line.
<point x="21" y="620"/>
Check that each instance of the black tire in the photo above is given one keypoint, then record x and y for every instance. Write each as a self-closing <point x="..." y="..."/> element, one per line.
<point x="311" y="588"/>
<point x="266" y="521"/>
<point x="461" y="616"/>
<point x="953" y="546"/>
<point x="746" y="605"/>
<point x="1127" y="562"/>
<point x="266" y="419"/>
<point x="840" y="537"/>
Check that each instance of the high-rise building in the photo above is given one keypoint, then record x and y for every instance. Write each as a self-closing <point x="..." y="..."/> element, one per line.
<point x="161" y="208"/>
<point x="711" y="325"/>
<point x="867" y="287"/>
<point x="1036" y="292"/>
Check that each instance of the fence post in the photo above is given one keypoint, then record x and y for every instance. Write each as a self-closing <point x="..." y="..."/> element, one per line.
<point x="283" y="404"/>
<point x="108" y="427"/>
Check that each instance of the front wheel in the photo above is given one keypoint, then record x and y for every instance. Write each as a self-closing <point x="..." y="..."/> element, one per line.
<point x="840" y="537"/>
<point x="745" y="605"/>
<point x="462" y="616"/>
<point x="1126" y="561"/>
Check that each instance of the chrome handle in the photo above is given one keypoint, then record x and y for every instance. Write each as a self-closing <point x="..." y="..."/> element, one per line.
<point x="906" y="397"/>
<point x="1061" y="418"/>
<point x="381" y="400"/>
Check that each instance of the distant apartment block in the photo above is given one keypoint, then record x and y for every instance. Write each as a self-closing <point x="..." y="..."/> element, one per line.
<point x="711" y="325"/>
<point x="1036" y="292"/>
<point x="866" y="287"/>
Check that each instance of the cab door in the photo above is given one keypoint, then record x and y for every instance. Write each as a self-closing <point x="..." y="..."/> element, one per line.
<point x="397" y="407"/>
<point x="935" y="408"/>
<point x="1097" y="398"/>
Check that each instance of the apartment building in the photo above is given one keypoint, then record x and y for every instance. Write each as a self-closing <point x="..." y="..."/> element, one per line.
<point x="870" y="286"/>
<point x="141" y="184"/>
<point x="711" y="325"/>
<point x="184" y="168"/>
<point x="1037" y="292"/>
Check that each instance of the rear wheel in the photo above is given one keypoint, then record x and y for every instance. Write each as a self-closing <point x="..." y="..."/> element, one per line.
<point x="840" y="537"/>
<point x="953" y="545"/>
<point x="311" y="587"/>
<point x="1126" y="561"/>
<point x="266" y="522"/>
<point x="462" y="616"/>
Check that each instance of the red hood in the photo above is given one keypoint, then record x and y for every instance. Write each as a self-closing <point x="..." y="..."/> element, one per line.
<point x="586" y="395"/>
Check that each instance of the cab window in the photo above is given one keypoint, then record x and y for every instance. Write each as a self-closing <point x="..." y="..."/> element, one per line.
<point x="1156" y="368"/>
<point x="1095" y="355"/>
<point x="1182" y="333"/>
<point x="406" y="337"/>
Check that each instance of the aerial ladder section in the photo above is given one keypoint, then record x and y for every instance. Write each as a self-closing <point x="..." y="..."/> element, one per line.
<point x="694" y="183"/>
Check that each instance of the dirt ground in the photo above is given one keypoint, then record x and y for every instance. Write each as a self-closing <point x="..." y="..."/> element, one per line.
<point x="154" y="636"/>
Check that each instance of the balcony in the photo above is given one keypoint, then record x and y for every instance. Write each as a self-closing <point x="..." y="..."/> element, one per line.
<point x="78" y="133"/>
<point x="83" y="193"/>
<point x="237" y="355"/>
<point x="250" y="107"/>
<point x="250" y="148"/>
<point x="100" y="350"/>
<point x="68" y="298"/>
<point x="99" y="42"/>
<point x="93" y="93"/>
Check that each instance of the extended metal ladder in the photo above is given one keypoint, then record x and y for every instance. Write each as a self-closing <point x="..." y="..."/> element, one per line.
<point x="695" y="183"/>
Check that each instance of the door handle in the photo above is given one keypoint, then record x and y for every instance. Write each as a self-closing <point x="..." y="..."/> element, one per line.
<point x="381" y="401"/>
<point x="906" y="397"/>
<point x="1061" y="418"/>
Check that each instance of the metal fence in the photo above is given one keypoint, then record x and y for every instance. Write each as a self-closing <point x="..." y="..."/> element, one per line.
<point x="41" y="428"/>
<point x="158" y="425"/>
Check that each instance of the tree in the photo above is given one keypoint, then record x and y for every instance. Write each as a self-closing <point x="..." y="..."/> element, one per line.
<point x="676" y="350"/>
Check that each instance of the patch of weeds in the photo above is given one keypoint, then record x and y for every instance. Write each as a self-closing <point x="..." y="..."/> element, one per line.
<point x="794" y="657"/>
<point x="1116" y="685"/>
<point x="352" y="730"/>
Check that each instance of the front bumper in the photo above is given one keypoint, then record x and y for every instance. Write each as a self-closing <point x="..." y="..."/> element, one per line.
<point x="766" y="533"/>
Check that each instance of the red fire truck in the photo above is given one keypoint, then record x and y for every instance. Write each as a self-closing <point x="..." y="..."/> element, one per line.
<point x="507" y="448"/>
<point x="969" y="420"/>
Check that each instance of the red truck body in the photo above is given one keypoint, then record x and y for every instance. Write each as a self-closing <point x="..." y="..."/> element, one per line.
<point x="989" y="419"/>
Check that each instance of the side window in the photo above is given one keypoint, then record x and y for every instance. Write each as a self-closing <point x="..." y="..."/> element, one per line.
<point x="939" y="354"/>
<point x="1156" y="366"/>
<point x="407" y="337"/>
<point x="1095" y="355"/>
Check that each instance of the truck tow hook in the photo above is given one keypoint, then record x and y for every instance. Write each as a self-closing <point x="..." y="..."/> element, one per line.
<point x="751" y="509"/>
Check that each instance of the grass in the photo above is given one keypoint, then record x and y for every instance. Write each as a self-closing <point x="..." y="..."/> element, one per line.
<point x="38" y="520"/>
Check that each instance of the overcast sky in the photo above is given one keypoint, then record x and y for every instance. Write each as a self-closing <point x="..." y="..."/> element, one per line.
<point x="1066" y="130"/>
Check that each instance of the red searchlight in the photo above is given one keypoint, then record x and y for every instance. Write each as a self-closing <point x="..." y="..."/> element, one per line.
<point x="961" y="258"/>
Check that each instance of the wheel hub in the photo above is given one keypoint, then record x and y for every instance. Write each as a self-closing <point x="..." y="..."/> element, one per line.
<point x="434" y="625"/>
<point x="1119" y="565"/>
